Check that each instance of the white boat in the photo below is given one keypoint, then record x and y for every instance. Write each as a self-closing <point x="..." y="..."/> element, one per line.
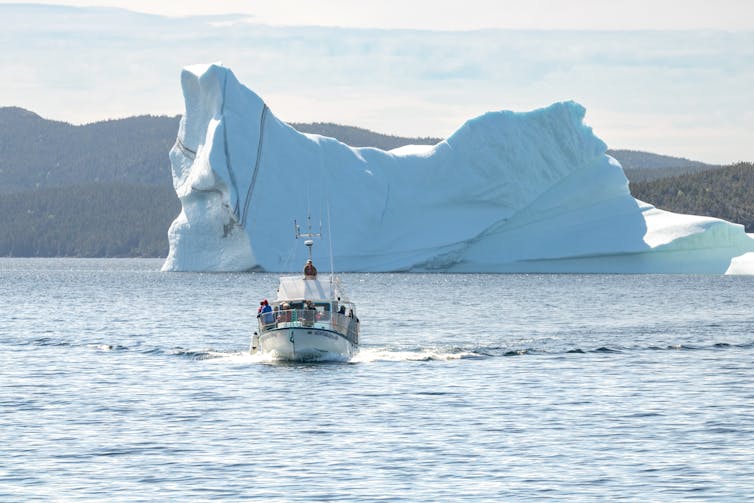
<point x="310" y="320"/>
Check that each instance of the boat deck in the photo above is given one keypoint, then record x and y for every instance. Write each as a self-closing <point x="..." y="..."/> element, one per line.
<point x="347" y="326"/>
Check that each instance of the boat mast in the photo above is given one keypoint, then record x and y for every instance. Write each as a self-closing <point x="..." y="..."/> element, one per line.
<point x="309" y="234"/>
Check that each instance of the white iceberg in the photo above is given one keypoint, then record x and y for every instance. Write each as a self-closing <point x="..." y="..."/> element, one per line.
<point x="507" y="192"/>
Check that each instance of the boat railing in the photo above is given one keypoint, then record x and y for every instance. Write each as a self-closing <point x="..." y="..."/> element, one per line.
<point x="345" y="325"/>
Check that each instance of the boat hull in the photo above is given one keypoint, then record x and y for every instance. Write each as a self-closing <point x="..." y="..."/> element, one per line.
<point x="305" y="344"/>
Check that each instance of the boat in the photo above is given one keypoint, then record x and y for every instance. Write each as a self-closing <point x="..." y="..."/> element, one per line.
<point x="311" y="319"/>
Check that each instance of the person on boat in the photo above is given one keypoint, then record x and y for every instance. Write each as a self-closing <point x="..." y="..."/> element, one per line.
<point x="310" y="272"/>
<point x="265" y="312"/>
<point x="352" y="316"/>
<point x="284" y="314"/>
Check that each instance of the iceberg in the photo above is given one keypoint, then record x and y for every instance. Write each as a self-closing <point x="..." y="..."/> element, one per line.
<point x="506" y="192"/>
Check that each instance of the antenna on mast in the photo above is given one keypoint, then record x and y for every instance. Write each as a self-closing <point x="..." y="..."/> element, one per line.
<point x="309" y="234"/>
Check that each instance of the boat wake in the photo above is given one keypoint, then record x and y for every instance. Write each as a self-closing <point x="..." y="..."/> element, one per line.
<point x="363" y="355"/>
<point x="375" y="353"/>
<point x="272" y="358"/>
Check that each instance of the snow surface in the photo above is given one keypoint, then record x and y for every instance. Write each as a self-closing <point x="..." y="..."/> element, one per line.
<point x="507" y="192"/>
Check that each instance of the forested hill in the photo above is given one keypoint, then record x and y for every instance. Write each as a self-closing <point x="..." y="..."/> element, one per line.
<point x="105" y="189"/>
<point x="636" y="159"/>
<point x="358" y="137"/>
<point x="37" y="153"/>
<point x="88" y="220"/>
<point x="726" y="193"/>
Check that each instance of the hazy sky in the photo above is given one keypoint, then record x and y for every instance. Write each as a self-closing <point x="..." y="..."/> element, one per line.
<point x="405" y="67"/>
<point x="463" y="15"/>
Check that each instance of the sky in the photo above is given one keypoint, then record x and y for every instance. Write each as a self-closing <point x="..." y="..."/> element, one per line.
<point x="466" y="15"/>
<point x="671" y="77"/>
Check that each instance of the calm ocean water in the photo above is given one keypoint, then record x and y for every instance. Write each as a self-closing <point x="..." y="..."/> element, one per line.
<point x="121" y="383"/>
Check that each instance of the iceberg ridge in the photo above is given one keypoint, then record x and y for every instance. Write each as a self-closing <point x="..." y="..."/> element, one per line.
<point x="506" y="192"/>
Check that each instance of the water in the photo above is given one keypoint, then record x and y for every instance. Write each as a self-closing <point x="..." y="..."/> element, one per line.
<point x="121" y="383"/>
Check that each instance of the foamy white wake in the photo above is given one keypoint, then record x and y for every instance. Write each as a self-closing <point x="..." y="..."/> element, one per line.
<point x="367" y="355"/>
<point x="363" y="355"/>
<point x="240" y="357"/>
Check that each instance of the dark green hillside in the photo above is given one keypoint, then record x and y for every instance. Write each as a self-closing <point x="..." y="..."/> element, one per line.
<point x="726" y="193"/>
<point x="95" y="220"/>
<point x="637" y="175"/>
<point x="358" y="137"/>
<point x="636" y="159"/>
<point x="37" y="153"/>
<point x="645" y="166"/>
